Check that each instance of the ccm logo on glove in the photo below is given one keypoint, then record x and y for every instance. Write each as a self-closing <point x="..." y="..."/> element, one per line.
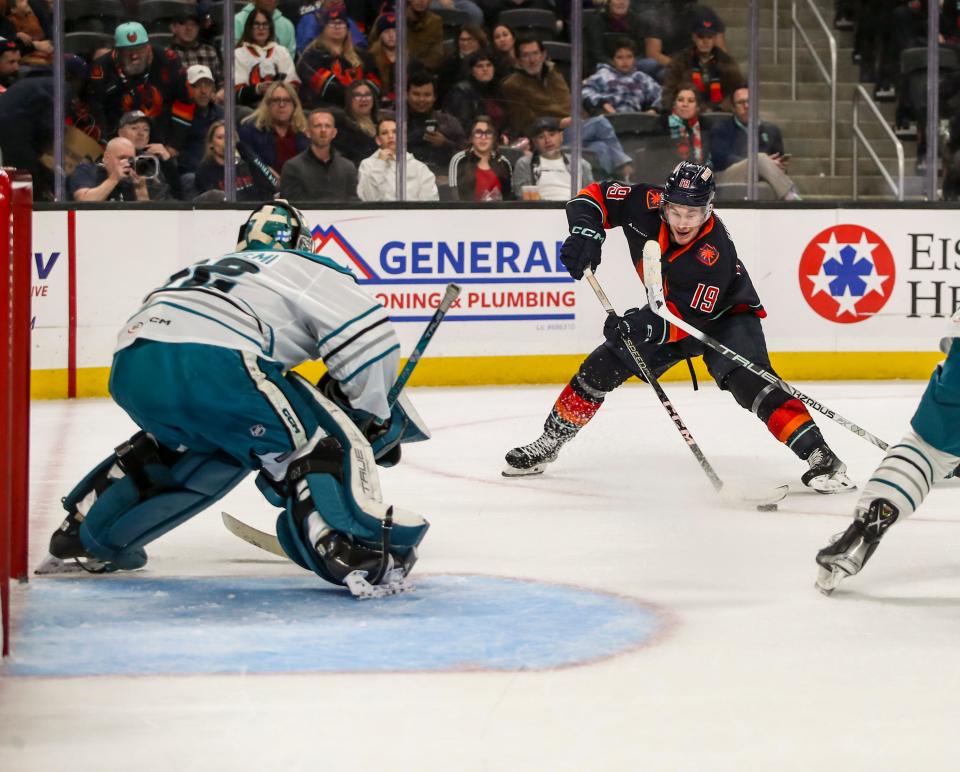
<point x="590" y="233"/>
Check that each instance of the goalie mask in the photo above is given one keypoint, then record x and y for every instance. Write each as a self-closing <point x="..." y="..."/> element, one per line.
<point x="689" y="184"/>
<point x="275" y="225"/>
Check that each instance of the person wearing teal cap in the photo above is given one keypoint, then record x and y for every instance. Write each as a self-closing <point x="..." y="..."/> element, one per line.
<point x="136" y="75"/>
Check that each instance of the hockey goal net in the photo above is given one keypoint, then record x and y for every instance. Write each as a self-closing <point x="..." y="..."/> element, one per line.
<point x="16" y="212"/>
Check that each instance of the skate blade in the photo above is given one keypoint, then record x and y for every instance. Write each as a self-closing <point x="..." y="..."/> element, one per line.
<point x="512" y="471"/>
<point x="836" y="484"/>
<point x="54" y="565"/>
<point x="828" y="579"/>
<point x="393" y="584"/>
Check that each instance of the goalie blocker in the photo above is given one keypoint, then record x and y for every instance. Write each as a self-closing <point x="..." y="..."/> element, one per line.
<point x="204" y="369"/>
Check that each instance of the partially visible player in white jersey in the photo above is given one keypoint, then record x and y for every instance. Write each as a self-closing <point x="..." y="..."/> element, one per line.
<point x="928" y="452"/>
<point x="204" y="368"/>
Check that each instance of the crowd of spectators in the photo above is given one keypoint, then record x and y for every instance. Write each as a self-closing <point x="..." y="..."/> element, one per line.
<point x="488" y="96"/>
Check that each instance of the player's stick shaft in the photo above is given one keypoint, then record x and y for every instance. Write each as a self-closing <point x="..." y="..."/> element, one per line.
<point x="650" y="378"/>
<point x="653" y="279"/>
<point x="451" y="294"/>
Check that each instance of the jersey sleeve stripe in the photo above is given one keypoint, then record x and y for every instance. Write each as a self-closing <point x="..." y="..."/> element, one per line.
<point x="354" y="337"/>
<point x="342" y="359"/>
<point x="370" y="362"/>
<point x="344" y="326"/>
<point x="593" y="195"/>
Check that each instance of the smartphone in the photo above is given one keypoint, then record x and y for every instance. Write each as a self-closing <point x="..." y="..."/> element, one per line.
<point x="785" y="156"/>
<point x="431" y="125"/>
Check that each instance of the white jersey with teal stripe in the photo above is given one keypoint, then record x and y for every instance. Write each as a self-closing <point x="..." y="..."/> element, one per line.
<point x="281" y="305"/>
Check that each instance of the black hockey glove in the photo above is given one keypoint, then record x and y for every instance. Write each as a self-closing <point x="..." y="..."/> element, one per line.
<point x="641" y="325"/>
<point x="581" y="249"/>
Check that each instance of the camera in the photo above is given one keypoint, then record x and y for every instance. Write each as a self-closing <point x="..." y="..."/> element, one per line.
<point x="146" y="166"/>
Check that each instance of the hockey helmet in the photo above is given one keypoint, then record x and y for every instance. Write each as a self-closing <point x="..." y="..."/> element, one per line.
<point x="275" y="225"/>
<point x="690" y="184"/>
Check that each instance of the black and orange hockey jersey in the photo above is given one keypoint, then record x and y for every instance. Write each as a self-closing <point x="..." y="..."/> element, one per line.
<point x="702" y="280"/>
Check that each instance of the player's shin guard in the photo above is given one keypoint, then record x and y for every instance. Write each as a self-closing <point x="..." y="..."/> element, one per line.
<point x="574" y="408"/>
<point x="790" y="422"/>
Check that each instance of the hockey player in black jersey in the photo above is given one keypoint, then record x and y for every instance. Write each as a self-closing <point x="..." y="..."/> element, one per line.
<point x="705" y="284"/>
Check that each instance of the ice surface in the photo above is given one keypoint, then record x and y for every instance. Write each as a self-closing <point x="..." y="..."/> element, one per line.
<point x="744" y="666"/>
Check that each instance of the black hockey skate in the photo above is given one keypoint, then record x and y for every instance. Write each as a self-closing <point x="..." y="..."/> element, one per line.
<point x="849" y="551"/>
<point x="67" y="553"/>
<point x="827" y="473"/>
<point x="533" y="458"/>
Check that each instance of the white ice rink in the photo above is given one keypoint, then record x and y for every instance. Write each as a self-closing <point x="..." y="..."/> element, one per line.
<point x="654" y="627"/>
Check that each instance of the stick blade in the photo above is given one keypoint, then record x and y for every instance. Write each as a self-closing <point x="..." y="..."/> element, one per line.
<point x="265" y="541"/>
<point x="653" y="274"/>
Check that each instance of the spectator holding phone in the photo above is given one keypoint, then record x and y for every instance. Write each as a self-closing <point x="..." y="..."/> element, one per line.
<point x="433" y="136"/>
<point x="113" y="179"/>
<point x="260" y="60"/>
<point x="728" y="150"/>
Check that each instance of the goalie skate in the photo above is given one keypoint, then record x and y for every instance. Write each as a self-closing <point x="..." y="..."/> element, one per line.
<point x="827" y="473"/>
<point x="533" y="458"/>
<point x="849" y="551"/>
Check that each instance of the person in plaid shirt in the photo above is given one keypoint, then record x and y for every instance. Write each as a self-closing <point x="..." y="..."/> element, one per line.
<point x="620" y="87"/>
<point x="186" y="44"/>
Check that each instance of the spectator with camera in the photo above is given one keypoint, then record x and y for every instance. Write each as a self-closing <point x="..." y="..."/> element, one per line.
<point x="377" y="176"/>
<point x="153" y="161"/>
<point x="319" y="173"/>
<point x="113" y="179"/>
<point x="546" y="172"/>
<point x="259" y="60"/>
<point x="433" y="136"/>
<point x="136" y="75"/>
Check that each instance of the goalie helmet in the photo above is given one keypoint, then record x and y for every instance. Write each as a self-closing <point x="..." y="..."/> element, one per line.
<point x="275" y="225"/>
<point x="690" y="184"/>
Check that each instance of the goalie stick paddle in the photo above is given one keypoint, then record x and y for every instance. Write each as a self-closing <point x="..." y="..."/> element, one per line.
<point x="269" y="542"/>
<point x="653" y="279"/>
<point x="718" y="485"/>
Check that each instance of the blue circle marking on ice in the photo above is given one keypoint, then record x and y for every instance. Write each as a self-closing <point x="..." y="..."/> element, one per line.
<point x="137" y="626"/>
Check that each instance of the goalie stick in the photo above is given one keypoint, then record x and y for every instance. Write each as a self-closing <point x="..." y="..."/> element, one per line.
<point x="653" y="279"/>
<point x="760" y="499"/>
<point x="269" y="542"/>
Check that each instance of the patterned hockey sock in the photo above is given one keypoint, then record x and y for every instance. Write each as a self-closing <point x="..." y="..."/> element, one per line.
<point x="907" y="473"/>
<point x="574" y="408"/>
<point x="792" y="425"/>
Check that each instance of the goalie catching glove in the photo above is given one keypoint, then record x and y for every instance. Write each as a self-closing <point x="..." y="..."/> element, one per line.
<point x="641" y="325"/>
<point x="582" y="249"/>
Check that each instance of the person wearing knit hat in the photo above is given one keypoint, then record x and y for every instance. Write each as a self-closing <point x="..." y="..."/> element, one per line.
<point x="311" y="24"/>
<point x="384" y="53"/>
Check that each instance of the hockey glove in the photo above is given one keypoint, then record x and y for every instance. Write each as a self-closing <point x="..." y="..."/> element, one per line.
<point x="581" y="249"/>
<point x="641" y="325"/>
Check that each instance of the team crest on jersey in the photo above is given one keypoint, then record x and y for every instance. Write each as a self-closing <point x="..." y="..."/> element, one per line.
<point x="708" y="254"/>
<point x="617" y="192"/>
<point x="654" y="197"/>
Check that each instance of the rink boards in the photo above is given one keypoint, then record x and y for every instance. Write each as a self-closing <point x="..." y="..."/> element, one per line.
<point x="849" y="293"/>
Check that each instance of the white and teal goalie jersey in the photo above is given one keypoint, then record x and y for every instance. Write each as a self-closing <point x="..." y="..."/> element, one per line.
<point x="287" y="306"/>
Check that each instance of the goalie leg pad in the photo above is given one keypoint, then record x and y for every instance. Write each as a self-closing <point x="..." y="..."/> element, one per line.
<point x="138" y="494"/>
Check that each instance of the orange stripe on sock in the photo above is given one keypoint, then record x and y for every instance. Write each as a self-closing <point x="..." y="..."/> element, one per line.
<point x="573" y="408"/>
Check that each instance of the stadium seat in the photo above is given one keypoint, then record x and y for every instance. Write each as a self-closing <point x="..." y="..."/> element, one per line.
<point x="540" y="21"/>
<point x="728" y="192"/>
<point x="709" y="120"/>
<point x="452" y="19"/>
<point x="636" y="124"/>
<point x="156" y="15"/>
<point x="558" y="52"/>
<point x="92" y="15"/>
<point x="85" y="43"/>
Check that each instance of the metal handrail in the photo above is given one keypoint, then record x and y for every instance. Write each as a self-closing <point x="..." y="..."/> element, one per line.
<point x="860" y="95"/>
<point x="829" y="76"/>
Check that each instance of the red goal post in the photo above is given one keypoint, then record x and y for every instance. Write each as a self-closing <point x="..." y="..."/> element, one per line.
<point x="16" y="214"/>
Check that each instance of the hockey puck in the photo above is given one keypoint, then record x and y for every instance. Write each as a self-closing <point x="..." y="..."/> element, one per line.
<point x="766" y="507"/>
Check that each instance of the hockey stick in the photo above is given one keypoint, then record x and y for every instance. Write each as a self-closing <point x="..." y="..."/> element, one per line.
<point x="269" y="542"/>
<point x="653" y="279"/>
<point x="651" y="379"/>
<point x="451" y="294"/>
